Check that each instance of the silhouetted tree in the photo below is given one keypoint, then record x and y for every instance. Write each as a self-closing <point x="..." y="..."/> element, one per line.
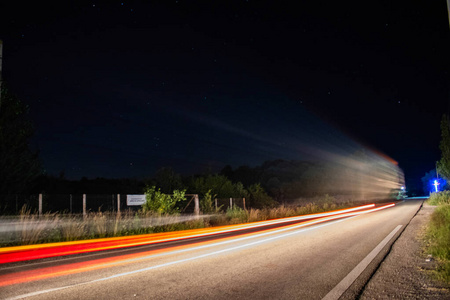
<point x="444" y="164"/>
<point x="19" y="166"/>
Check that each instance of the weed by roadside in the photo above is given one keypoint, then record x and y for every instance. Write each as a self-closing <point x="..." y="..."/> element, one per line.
<point x="438" y="234"/>
<point x="236" y="215"/>
<point x="439" y="198"/>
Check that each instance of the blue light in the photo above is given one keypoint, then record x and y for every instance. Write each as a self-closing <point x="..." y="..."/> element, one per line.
<point x="436" y="183"/>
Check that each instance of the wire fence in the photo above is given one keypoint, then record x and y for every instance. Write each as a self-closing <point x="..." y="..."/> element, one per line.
<point x="225" y="203"/>
<point x="12" y="204"/>
<point x="85" y="203"/>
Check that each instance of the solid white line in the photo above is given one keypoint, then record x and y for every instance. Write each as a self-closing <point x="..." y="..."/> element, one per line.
<point x="345" y="283"/>
<point x="178" y="261"/>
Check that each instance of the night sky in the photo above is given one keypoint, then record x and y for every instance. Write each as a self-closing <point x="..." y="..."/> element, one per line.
<point x="119" y="89"/>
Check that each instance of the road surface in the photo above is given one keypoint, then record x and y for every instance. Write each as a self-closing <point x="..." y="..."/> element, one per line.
<point x="332" y="259"/>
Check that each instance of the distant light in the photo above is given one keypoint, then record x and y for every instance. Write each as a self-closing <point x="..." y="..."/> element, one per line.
<point x="403" y="188"/>
<point x="436" y="183"/>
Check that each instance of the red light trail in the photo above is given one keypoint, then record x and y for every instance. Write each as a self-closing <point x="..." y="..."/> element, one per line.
<point x="103" y="244"/>
<point x="31" y="252"/>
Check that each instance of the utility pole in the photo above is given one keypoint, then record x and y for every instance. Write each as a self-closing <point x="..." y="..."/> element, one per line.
<point x="448" y="10"/>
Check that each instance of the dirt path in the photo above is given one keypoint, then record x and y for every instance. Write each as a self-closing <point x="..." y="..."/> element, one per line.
<point x="402" y="275"/>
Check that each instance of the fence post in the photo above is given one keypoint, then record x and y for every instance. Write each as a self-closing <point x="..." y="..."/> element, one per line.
<point x="197" y="205"/>
<point x="243" y="200"/>
<point x="84" y="205"/>
<point x="118" y="203"/>
<point x="215" y="200"/>
<point x="40" y="205"/>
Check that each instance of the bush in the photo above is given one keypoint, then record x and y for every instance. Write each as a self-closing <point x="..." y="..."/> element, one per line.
<point x="236" y="215"/>
<point x="206" y="204"/>
<point x="162" y="203"/>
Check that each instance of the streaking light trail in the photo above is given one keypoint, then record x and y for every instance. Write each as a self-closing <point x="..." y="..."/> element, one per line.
<point x="73" y="268"/>
<point x="30" y="252"/>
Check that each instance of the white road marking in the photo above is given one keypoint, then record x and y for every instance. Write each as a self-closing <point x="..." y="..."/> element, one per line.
<point x="345" y="283"/>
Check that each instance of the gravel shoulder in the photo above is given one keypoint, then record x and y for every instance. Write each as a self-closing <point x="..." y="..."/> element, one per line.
<point x="403" y="273"/>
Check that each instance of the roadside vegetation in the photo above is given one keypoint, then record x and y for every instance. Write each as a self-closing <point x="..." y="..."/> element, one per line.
<point x="438" y="230"/>
<point x="160" y="203"/>
<point x="438" y="234"/>
<point x="29" y="228"/>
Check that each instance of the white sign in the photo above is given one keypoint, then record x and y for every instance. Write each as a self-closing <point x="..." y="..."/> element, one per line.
<point x="135" y="200"/>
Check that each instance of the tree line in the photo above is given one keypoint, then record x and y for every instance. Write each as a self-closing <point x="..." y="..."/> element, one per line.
<point x="271" y="183"/>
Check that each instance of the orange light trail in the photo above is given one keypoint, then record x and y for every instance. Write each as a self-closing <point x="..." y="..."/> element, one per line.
<point x="31" y="252"/>
<point x="73" y="268"/>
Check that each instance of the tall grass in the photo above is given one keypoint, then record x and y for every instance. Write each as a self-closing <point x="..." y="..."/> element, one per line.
<point x="438" y="234"/>
<point x="73" y="229"/>
<point x="439" y="198"/>
<point x="29" y="228"/>
<point x="237" y="215"/>
<point x="32" y="228"/>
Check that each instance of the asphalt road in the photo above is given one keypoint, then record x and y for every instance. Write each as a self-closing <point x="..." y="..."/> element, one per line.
<point x="296" y="263"/>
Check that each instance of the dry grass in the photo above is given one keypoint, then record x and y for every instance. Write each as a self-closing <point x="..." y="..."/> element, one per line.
<point x="73" y="229"/>
<point x="238" y="215"/>
<point x="32" y="228"/>
<point x="29" y="228"/>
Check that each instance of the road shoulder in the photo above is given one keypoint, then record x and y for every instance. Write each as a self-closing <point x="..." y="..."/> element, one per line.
<point x="403" y="273"/>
